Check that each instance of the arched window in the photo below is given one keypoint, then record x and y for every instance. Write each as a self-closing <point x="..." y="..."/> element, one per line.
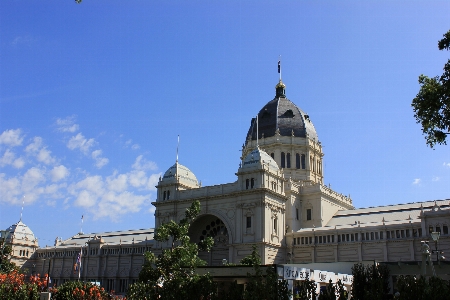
<point x="246" y="184"/>
<point x="164" y="197"/>
<point x="288" y="160"/>
<point x="297" y="161"/>
<point x="303" y="162"/>
<point x="168" y="195"/>
<point x="252" y="182"/>
<point x="283" y="160"/>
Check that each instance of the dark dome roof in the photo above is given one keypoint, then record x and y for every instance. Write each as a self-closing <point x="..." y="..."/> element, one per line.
<point x="280" y="113"/>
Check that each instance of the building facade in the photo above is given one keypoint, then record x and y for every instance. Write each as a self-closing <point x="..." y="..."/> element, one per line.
<point x="278" y="203"/>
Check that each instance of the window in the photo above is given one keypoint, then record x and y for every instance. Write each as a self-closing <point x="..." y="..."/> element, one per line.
<point x="283" y="160"/>
<point x="309" y="214"/>
<point x="168" y="195"/>
<point x="438" y="228"/>
<point x="296" y="213"/>
<point x="247" y="183"/>
<point x="249" y="222"/>
<point x="275" y="221"/>
<point x="430" y="229"/>
<point x="288" y="160"/>
<point x="320" y="239"/>
<point x="303" y="161"/>
<point x="445" y="229"/>
<point x="164" y="197"/>
<point x="297" y="161"/>
<point x="252" y="182"/>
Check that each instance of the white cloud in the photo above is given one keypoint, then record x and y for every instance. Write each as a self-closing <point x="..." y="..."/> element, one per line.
<point x="58" y="173"/>
<point x="80" y="142"/>
<point x="446" y="164"/>
<point x="44" y="156"/>
<point x="135" y="147"/>
<point x="68" y="124"/>
<point x="35" y="145"/>
<point x="153" y="181"/>
<point x="7" y="158"/>
<point x="436" y="178"/>
<point x="32" y="178"/>
<point x="86" y="199"/>
<point x="142" y="164"/>
<point x="23" y="40"/>
<point x="40" y="151"/>
<point x="9" y="189"/>
<point x="99" y="160"/>
<point x="11" y="137"/>
<point x="18" y="163"/>
<point x="117" y="183"/>
<point x="417" y="181"/>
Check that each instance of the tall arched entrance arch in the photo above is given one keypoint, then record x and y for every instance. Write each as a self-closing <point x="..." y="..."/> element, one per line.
<point x="211" y="226"/>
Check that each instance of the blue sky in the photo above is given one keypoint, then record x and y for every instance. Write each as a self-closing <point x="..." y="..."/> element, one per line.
<point x="93" y="96"/>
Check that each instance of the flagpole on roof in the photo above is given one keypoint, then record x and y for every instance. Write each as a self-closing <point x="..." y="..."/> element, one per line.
<point x="178" y="145"/>
<point x="279" y="66"/>
<point x="23" y="203"/>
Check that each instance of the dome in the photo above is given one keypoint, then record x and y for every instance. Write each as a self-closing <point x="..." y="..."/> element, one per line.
<point x="282" y="115"/>
<point x="257" y="158"/>
<point x="184" y="175"/>
<point x="20" y="232"/>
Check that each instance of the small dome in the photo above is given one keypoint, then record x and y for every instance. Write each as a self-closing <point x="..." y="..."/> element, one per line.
<point x="184" y="175"/>
<point x="20" y="232"/>
<point x="256" y="159"/>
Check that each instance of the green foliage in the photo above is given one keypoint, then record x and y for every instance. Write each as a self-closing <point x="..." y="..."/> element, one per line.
<point x="171" y="275"/>
<point x="370" y="282"/>
<point x="420" y="288"/>
<point x="77" y="290"/>
<point x="333" y="289"/>
<point x="6" y="266"/>
<point x="305" y="290"/>
<point x="253" y="259"/>
<point x="432" y="104"/>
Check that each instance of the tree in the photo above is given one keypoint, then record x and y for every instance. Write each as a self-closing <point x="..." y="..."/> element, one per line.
<point x="432" y="104"/>
<point x="410" y="287"/>
<point x="171" y="275"/>
<point x="6" y="266"/>
<point x="370" y="282"/>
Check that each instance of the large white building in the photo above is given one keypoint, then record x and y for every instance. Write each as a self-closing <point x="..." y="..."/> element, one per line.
<point x="278" y="202"/>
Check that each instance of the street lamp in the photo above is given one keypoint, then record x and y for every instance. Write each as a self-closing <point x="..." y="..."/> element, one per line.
<point x="435" y="236"/>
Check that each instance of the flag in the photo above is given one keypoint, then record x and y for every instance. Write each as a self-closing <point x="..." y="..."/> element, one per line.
<point x="279" y="66"/>
<point x="77" y="265"/>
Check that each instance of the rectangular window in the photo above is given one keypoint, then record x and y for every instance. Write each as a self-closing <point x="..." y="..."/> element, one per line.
<point x="347" y="237"/>
<point x="296" y="213"/>
<point x="445" y="229"/>
<point x="310" y="239"/>
<point x="332" y="238"/>
<point x="407" y="232"/>
<point x="309" y="214"/>
<point x="352" y="237"/>
<point x="249" y="222"/>
<point x="303" y="240"/>
<point x="320" y="239"/>
<point x="438" y="229"/>
<point x="372" y="236"/>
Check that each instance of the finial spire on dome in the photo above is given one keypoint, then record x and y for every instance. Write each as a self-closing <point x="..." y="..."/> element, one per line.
<point x="23" y="203"/>
<point x="178" y="145"/>
<point x="280" y="87"/>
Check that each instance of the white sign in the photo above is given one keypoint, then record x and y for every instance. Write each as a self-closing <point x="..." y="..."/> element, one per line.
<point x="345" y="278"/>
<point x="294" y="273"/>
<point x="323" y="276"/>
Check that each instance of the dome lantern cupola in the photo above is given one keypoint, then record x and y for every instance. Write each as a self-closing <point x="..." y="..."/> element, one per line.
<point x="280" y="89"/>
